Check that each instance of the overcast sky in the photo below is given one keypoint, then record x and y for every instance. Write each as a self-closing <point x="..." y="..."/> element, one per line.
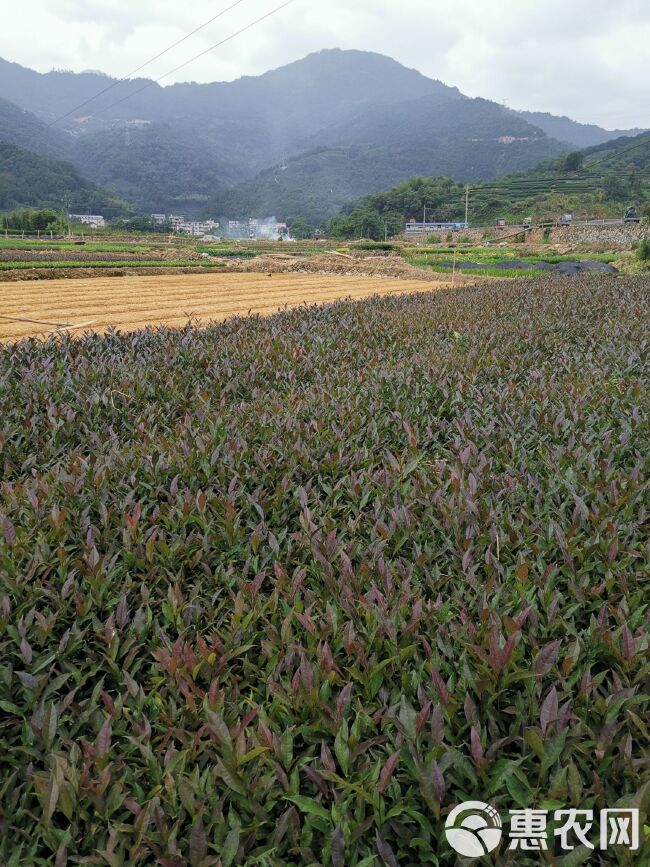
<point x="588" y="59"/>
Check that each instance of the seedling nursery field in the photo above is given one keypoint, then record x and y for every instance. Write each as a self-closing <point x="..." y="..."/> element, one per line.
<point x="287" y="589"/>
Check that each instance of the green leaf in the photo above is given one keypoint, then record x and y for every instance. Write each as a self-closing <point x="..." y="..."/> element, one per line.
<point x="308" y="805"/>
<point x="230" y="847"/>
<point x="286" y="749"/>
<point x="580" y="855"/>
<point x="553" y="751"/>
<point x="519" y="790"/>
<point x="253" y="754"/>
<point x="341" y="748"/>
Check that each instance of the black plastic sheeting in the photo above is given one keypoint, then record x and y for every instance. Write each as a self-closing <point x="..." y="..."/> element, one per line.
<point x="569" y="269"/>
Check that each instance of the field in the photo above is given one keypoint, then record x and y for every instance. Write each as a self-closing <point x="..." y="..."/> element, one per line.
<point x="287" y="589"/>
<point x="128" y="303"/>
<point x="47" y="259"/>
<point x="514" y="261"/>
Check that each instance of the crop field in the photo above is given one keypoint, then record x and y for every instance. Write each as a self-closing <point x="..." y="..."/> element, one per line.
<point x="287" y="589"/>
<point x="134" y="302"/>
<point x="496" y="262"/>
<point x="45" y="258"/>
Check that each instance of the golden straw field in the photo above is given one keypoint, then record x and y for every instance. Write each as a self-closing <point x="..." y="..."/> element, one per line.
<point x="130" y="303"/>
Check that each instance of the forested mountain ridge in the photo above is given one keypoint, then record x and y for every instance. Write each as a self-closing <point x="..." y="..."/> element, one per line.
<point x="444" y="134"/>
<point x="601" y="181"/>
<point x="31" y="180"/>
<point x="579" y="135"/>
<point x="20" y="127"/>
<point x="196" y="147"/>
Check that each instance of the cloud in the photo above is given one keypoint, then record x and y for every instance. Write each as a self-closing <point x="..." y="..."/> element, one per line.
<point x="584" y="58"/>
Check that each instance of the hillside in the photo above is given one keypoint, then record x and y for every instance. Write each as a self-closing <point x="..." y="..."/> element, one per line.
<point x="621" y="154"/>
<point x="20" y="127"/>
<point x="579" y="135"/>
<point x="608" y="178"/>
<point x="31" y="180"/>
<point x="300" y="97"/>
<point x="160" y="167"/>
<point x="444" y="134"/>
<point x="334" y="125"/>
<point x="181" y="147"/>
<point x="172" y="148"/>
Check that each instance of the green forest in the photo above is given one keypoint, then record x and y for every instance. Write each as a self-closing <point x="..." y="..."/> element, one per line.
<point x="598" y="182"/>
<point x="30" y="180"/>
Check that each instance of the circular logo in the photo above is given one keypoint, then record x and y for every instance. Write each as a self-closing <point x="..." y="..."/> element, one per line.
<point x="473" y="829"/>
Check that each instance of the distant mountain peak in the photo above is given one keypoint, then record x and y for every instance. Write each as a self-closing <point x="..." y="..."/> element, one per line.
<point x="341" y="122"/>
<point x="572" y="132"/>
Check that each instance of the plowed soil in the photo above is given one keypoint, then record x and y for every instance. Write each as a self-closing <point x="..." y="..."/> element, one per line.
<point x="128" y="303"/>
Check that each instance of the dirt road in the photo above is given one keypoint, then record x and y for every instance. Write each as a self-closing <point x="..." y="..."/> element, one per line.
<point x="129" y="303"/>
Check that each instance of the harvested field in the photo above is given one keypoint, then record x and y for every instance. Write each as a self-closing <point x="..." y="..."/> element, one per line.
<point x="90" y="256"/>
<point x="28" y="265"/>
<point x="335" y="263"/>
<point x="129" y="303"/>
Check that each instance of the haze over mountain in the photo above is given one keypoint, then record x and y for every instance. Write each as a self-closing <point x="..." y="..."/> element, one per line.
<point x="298" y="141"/>
<point x="580" y="135"/>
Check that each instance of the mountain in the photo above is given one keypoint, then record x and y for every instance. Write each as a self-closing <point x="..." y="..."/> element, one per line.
<point x="578" y="135"/>
<point x="359" y="120"/>
<point x="296" y="99"/>
<point x="597" y="182"/>
<point x="21" y="127"/>
<point x="445" y="134"/>
<point x="31" y="180"/>
<point x="161" y="167"/>
<point x="622" y="154"/>
<point x="601" y="182"/>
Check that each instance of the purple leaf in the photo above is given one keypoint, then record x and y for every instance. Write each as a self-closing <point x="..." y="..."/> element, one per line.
<point x="104" y="738"/>
<point x="343" y="699"/>
<point x="439" y="787"/>
<point x="547" y="657"/>
<point x="385" y="852"/>
<point x="549" y="710"/>
<point x="387" y="771"/>
<point x="9" y="532"/>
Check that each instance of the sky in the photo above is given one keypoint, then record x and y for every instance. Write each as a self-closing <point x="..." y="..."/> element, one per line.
<point x="587" y="59"/>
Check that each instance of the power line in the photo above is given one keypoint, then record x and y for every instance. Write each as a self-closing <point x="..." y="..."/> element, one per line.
<point x="147" y="63"/>
<point x="201" y="54"/>
<point x="616" y="151"/>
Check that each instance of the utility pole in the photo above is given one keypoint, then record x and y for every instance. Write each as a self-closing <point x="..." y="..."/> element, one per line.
<point x="425" y="214"/>
<point x="385" y="230"/>
<point x="466" y="205"/>
<point x="66" y="205"/>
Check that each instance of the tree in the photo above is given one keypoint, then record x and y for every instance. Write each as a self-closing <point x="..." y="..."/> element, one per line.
<point x="28" y="220"/>
<point x="615" y="189"/>
<point x="301" y="230"/>
<point x="384" y="214"/>
<point x="574" y="161"/>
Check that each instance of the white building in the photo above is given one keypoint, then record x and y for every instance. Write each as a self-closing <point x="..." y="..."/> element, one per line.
<point x="95" y="221"/>
<point x="197" y="228"/>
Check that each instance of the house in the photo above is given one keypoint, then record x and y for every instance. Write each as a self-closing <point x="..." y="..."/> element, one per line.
<point x="192" y="227"/>
<point x="95" y="221"/>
